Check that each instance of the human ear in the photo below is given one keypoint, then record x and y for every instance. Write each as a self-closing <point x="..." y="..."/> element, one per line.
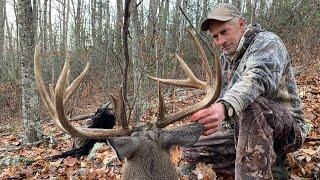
<point x="241" y="23"/>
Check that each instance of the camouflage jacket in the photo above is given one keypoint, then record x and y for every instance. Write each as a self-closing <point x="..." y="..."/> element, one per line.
<point x="262" y="69"/>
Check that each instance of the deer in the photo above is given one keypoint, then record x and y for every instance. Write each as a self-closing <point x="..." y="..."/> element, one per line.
<point x="146" y="146"/>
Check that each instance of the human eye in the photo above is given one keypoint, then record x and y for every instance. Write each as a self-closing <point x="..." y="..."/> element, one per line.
<point x="224" y="31"/>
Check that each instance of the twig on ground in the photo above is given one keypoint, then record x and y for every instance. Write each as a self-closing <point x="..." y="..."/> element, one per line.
<point x="16" y="148"/>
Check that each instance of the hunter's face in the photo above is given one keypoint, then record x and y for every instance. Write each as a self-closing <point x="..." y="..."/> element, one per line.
<point x="226" y="35"/>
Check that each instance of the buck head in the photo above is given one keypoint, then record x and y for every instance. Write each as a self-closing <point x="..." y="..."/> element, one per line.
<point x="147" y="151"/>
<point x="145" y="147"/>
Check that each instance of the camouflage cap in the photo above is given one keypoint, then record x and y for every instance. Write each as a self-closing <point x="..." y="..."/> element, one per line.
<point x="221" y="12"/>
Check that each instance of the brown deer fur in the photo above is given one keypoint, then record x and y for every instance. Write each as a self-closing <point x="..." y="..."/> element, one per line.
<point x="147" y="151"/>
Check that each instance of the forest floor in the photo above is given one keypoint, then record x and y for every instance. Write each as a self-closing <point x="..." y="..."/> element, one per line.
<point x="30" y="162"/>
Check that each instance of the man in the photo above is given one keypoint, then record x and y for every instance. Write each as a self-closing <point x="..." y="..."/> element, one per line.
<point x="259" y="98"/>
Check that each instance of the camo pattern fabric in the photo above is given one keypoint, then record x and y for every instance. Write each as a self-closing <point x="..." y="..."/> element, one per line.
<point x="265" y="128"/>
<point x="261" y="67"/>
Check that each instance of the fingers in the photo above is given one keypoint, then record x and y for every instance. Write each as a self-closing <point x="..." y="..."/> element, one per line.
<point x="201" y="114"/>
<point x="211" y="127"/>
<point x="212" y="124"/>
<point x="211" y="131"/>
<point x="208" y="119"/>
<point x="211" y="117"/>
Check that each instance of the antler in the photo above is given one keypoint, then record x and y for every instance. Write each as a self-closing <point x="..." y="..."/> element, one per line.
<point x="192" y="82"/>
<point x="60" y="95"/>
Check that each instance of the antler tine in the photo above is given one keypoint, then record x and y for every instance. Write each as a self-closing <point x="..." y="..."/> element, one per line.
<point x="191" y="80"/>
<point x="75" y="84"/>
<point x="90" y="133"/>
<point x="211" y="93"/>
<point x="62" y="79"/>
<point x="204" y="59"/>
<point x="51" y="91"/>
<point x="120" y="110"/>
<point x="40" y="83"/>
<point x="42" y="89"/>
<point x="208" y="72"/>
<point x="161" y="105"/>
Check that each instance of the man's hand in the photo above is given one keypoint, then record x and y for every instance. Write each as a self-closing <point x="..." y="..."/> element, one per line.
<point x="211" y="117"/>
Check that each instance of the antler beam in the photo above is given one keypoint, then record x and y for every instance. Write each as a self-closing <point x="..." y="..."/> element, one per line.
<point x="212" y="93"/>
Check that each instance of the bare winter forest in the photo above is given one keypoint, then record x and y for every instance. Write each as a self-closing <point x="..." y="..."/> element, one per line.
<point x="124" y="41"/>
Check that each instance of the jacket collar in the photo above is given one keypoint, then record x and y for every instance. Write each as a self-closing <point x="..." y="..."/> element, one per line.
<point x="245" y="41"/>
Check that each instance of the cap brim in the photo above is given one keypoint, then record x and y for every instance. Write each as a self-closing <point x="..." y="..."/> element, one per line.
<point x="209" y="20"/>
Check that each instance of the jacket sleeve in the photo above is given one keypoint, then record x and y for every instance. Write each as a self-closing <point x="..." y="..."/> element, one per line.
<point x="265" y="63"/>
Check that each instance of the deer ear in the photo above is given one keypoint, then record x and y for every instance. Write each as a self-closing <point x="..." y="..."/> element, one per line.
<point x="182" y="136"/>
<point x="125" y="147"/>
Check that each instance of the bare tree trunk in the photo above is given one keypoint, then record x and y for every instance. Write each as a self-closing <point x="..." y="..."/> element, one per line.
<point x="100" y="17"/>
<point x="262" y="8"/>
<point x="175" y="35"/>
<point x="50" y="27"/>
<point x="94" y="47"/>
<point x="237" y="3"/>
<point x="204" y="14"/>
<point x="100" y="49"/>
<point x="8" y="59"/>
<point x="30" y="101"/>
<point x="181" y="36"/>
<point x="142" y="17"/>
<point x="125" y="33"/>
<point x="17" y="38"/>
<point x="2" y="19"/>
<point x="253" y="12"/>
<point x="93" y="22"/>
<point x="163" y="44"/>
<point x="176" y="21"/>
<point x="78" y="22"/>
<point x="137" y="63"/>
<point x="152" y="22"/>
<point x="204" y="9"/>
<point x="181" y="27"/>
<point x="65" y="17"/>
<point x="248" y="8"/>
<point x="51" y="45"/>
<point x="11" y="50"/>
<point x="273" y="9"/>
<point x="118" y="28"/>
<point x="45" y="25"/>
<point x="108" y="45"/>
<point x="198" y="13"/>
<point x="35" y="13"/>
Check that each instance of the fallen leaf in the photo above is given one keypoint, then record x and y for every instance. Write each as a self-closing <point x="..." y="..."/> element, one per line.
<point x="309" y="151"/>
<point x="291" y="161"/>
<point x="205" y="172"/>
<point x="56" y="163"/>
<point x="176" y="155"/>
<point x="16" y="143"/>
<point x="70" y="161"/>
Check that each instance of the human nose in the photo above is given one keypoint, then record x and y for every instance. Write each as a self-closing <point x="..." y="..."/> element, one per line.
<point x="220" y="40"/>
